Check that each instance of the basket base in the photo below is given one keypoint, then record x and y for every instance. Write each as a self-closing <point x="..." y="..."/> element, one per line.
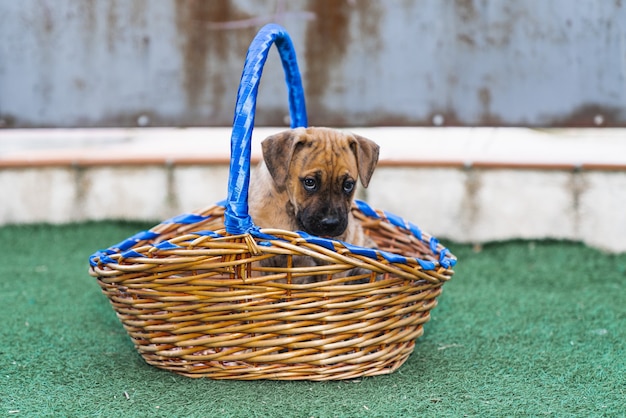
<point x="219" y="370"/>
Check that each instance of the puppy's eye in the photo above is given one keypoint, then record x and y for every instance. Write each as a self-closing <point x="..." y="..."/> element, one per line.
<point x="348" y="186"/>
<point x="310" y="184"/>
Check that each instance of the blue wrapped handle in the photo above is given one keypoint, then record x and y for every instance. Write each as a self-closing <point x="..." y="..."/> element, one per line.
<point x="236" y="218"/>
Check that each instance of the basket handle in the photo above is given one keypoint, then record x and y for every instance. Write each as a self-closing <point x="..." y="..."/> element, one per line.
<point x="236" y="218"/>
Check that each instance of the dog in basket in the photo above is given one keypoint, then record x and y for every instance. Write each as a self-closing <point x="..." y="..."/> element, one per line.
<point x="307" y="181"/>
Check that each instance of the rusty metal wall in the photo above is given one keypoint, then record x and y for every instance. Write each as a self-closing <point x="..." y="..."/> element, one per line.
<point x="67" y="63"/>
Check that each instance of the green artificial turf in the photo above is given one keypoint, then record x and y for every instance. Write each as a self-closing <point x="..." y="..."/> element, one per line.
<point x="523" y="329"/>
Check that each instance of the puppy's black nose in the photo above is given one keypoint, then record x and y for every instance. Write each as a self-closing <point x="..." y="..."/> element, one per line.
<point x="330" y="225"/>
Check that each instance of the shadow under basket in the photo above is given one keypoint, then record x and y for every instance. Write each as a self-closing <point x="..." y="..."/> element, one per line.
<point x="197" y="301"/>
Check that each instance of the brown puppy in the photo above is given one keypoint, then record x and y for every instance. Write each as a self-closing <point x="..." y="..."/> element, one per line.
<point x="307" y="181"/>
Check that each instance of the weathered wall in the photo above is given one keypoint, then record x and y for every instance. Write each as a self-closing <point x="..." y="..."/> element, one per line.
<point x="463" y="62"/>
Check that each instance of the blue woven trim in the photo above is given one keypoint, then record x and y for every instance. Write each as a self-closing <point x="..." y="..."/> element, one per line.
<point x="124" y="248"/>
<point x="101" y="255"/>
<point x="395" y="220"/>
<point x="106" y="259"/>
<point x="166" y="245"/>
<point x="372" y="253"/>
<point x="186" y="219"/>
<point x="92" y="258"/>
<point x="255" y="232"/>
<point x="366" y="209"/>
<point x="132" y="254"/>
<point x="322" y="242"/>
<point x="393" y="258"/>
<point x="128" y="243"/>
<point x="434" y="243"/>
<point x="415" y="231"/>
<point x="364" y="251"/>
<point x="208" y="233"/>
<point x="445" y="258"/>
<point x="425" y="264"/>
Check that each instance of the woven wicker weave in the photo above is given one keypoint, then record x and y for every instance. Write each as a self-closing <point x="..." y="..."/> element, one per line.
<point x="195" y="300"/>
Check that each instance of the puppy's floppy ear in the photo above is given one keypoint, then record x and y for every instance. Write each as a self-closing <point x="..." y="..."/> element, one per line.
<point x="277" y="152"/>
<point x="366" y="152"/>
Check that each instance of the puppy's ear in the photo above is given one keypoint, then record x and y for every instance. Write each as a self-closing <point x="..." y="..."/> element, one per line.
<point x="366" y="152"/>
<point x="277" y="152"/>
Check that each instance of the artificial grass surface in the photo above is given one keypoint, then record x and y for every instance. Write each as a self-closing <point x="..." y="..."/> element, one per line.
<point x="523" y="329"/>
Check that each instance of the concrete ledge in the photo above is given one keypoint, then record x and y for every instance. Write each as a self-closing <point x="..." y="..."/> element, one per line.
<point x="465" y="184"/>
<point x="597" y="149"/>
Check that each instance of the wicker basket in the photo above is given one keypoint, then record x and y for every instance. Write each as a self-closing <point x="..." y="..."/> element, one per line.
<point x="195" y="299"/>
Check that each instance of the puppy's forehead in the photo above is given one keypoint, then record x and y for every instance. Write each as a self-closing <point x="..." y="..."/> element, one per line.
<point x="325" y="149"/>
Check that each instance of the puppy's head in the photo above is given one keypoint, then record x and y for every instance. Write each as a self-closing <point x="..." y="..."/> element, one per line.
<point x="318" y="169"/>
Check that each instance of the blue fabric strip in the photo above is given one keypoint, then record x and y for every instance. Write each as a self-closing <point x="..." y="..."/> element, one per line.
<point x="446" y="259"/>
<point x="236" y="219"/>
<point x="92" y="258"/>
<point x="366" y="209"/>
<point x="322" y="242"/>
<point x="443" y="259"/>
<point x="166" y="245"/>
<point x="208" y="233"/>
<point x="132" y="254"/>
<point x="258" y="234"/>
<point x="415" y="231"/>
<point x="426" y="265"/>
<point x="102" y="254"/>
<point x="434" y="243"/>
<point x="125" y="245"/>
<point x="393" y="258"/>
<point x="105" y="259"/>
<point x="186" y="219"/>
<point x="366" y="252"/>
<point x="145" y="236"/>
<point x="130" y="242"/>
<point x="395" y="220"/>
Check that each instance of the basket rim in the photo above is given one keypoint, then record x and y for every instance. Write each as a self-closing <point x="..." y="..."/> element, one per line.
<point x="128" y="247"/>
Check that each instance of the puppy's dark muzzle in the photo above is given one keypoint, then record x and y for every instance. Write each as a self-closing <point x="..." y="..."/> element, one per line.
<point x="324" y="224"/>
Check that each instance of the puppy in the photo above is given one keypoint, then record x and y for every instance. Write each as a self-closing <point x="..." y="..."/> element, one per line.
<point x="307" y="181"/>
